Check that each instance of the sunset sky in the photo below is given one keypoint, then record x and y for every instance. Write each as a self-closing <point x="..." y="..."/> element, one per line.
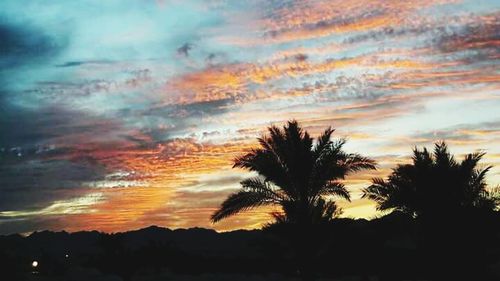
<point x="120" y="114"/>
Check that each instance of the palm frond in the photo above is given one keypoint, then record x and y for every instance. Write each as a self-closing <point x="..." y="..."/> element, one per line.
<point x="267" y="164"/>
<point x="379" y="192"/>
<point x="336" y="189"/>
<point x="256" y="184"/>
<point x="323" y="141"/>
<point x="323" y="211"/>
<point x="241" y="201"/>
<point x="355" y="162"/>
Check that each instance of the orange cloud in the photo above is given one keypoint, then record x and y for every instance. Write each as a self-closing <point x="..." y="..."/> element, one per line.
<point x="161" y="171"/>
<point x="306" y="19"/>
<point x="232" y="81"/>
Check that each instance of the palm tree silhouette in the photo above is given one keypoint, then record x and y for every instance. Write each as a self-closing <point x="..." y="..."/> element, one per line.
<point x="295" y="173"/>
<point x="435" y="183"/>
<point x="451" y="205"/>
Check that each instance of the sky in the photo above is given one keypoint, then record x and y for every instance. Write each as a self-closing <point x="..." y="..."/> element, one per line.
<point x="120" y="114"/>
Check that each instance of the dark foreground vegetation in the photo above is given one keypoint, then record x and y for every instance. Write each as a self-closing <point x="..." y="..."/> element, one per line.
<point x="444" y="225"/>
<point x="382" y="249"/>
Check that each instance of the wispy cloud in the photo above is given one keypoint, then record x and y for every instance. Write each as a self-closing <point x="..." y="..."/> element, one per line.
<point x="120" y="116"/>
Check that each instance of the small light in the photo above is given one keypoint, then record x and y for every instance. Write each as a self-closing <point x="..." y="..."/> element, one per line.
<point x="34" y="264"/>
<point x="67" y="256"/>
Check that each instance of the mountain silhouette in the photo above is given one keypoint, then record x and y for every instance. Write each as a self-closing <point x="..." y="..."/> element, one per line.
<point x="385" y="248"/>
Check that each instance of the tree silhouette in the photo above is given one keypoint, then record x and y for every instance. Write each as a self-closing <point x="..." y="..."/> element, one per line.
<point x="435" y="183"/>
<point x="295" y="173"/>
<point x="451" y="204"/>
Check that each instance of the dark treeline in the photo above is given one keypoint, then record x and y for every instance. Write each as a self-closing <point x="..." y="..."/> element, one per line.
<point x="381" y="249"/>
<point x="441" y="222"/>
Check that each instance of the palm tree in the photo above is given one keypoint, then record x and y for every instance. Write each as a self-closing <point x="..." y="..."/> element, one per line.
<point x="451" y="205"/>
<point x="294" y="172"/>
<point x="435" y="183"/>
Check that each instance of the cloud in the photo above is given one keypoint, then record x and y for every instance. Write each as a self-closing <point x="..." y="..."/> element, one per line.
<point x="477" y="134"/>
<point x="184" y="49"/>
<point x="113" y="99"/>
<point x="79" y="63"/>
<point x="23" y="44"/>
<point x="306" y="20"/>
<point x="33" y="184"/>
<point x="480" y="34"/>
